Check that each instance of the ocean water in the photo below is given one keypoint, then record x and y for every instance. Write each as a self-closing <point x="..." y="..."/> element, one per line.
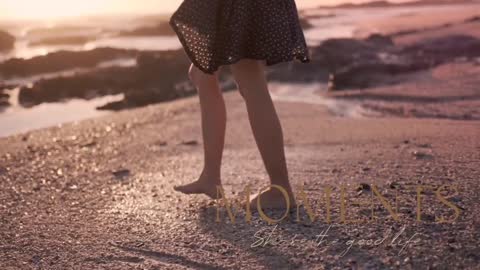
<point x="16" y="119"/>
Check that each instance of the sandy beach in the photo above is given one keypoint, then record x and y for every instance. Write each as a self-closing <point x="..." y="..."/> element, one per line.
<point x="98" y="193"/>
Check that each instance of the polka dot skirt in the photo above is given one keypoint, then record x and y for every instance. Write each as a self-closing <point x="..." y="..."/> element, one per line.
<point x="221" y="32"/>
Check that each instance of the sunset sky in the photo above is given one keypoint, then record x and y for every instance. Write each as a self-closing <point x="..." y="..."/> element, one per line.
<point x="52" y="9"/>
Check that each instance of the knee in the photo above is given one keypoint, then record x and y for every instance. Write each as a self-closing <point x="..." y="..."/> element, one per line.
<point x="195" y="75"/>
<point x="206" y="84"/>
<point x="199" y="77"/>
<point x="249" y="77"/>
<point x="243" y="90"/>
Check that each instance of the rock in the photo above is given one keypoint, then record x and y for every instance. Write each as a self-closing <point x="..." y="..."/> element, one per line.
<point x="425" y="145"/>
<point x="305" y="23"/>
<point x="155" y="79"/>
<point x="386" y="4"/>
<point x="161" y="143"/>
<point x="162" y="76"/>
<point x="61" y="61"/>
<point x="421" y="155"/>
<point x="372" y="73"/>
<point x="4" y="103"/>
<point x="161" y="29"/>
<point x="358" y="63"/>
<point x="114" y="106"/>
<point x="86" y="86"/>
<point x="363" y="188"/>
<point x="121" y="174"/>
<point x="473" y="19"/>
<point x="7" y="41"/>
<point x="380" y="40"/>
<point x="428" y="217"/>
<point x="61" y="30"/>
<point x="393" y="185"/>
<point x="315" y="71"/>
<point x="341" y="52"/>
<point x="4" y="96"/>
<point x="319" y="16"/>
<point x="377" y="3"/>
<point x="167" y="63"/>
<point x="6" y="87"/>
<point x="69" y="40"/>
<point x="354" y="63"/>
<point x="442" y="49"/>
<point x="335" y="170"/>
<point x="191" y="142"/>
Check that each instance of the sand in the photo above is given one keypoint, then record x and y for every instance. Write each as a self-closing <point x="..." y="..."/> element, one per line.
<point x="62" y="206"/>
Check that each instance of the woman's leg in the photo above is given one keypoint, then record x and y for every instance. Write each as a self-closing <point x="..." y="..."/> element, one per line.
<point x="214" y="119"/>
<point x="266" y="127"/>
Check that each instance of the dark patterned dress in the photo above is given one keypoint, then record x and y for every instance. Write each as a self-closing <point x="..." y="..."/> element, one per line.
<point x="215" y="33"/>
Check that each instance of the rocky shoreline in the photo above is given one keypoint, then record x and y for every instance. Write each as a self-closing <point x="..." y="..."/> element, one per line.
<point x="161" y="76"/>
<point x="158" y="76"/>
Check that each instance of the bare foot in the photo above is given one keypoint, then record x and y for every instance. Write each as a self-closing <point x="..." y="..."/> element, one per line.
<point x="273" y="199"/>
<point x="202" y="186"/>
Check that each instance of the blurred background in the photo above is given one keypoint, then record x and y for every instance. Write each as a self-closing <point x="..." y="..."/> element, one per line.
<point x="64" y="61"/>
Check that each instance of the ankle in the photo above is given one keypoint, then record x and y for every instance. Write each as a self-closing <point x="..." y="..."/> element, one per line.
<point x="286" y="186"/>
<point x="210" y="178"/>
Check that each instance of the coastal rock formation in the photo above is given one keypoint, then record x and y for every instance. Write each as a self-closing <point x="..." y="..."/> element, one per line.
<point x="60" y="61"/>
<point x="153" y="80"/>
<point x="386" y="4"/>
<point x="442" y="49"/>
<point x="85" y="86"/>
<point x="4" y="97"/>
<point x="161" y="29"/>
<point x="344" y="63"/>
<point x="158" y="77"/>
<point x="69" y="40"/>
<point x="305" y="23"/>
<point x="341" y="52"/>
<point x="366" y="63"/>
<point x="6" y="87"/>
<point x="7" y="41"/>
<point x="62" y="30"/>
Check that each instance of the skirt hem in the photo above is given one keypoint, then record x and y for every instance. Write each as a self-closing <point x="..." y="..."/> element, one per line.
<point x="303" y="58"/>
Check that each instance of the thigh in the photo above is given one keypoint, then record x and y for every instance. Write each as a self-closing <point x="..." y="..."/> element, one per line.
<point x="248" y="71"/>
<point x="197" y="75"/>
